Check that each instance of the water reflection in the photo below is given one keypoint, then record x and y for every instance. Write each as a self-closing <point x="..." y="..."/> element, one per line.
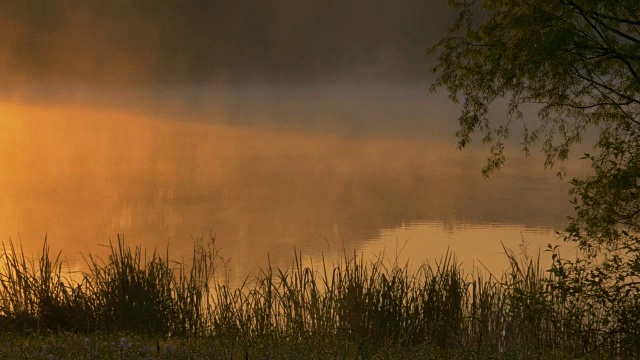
<point x="477" y="246"/>
<point x="82" y="176"/>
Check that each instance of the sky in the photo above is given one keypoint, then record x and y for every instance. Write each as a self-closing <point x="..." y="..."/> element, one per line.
<point x="152" y="43"/>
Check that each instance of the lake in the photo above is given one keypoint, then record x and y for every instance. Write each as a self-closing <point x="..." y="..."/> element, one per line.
<point x="265" y="171"/>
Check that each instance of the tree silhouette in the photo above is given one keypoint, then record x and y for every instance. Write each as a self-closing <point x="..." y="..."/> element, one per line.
<point x="578" y="62"/>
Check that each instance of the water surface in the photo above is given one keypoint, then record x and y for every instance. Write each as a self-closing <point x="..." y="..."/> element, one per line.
<point x="266" y="176"/>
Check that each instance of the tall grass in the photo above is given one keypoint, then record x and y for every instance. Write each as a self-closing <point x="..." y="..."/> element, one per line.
<point x="371" y="305"/>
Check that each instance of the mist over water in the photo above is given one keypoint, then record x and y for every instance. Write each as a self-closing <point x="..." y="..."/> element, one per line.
<point x="172" y="42"/>
<point x="271" y="124"/>
<point x="262" y="183"/>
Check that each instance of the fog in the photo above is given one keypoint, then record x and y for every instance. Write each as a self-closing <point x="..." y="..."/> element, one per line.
<point x="82" y="176"/>
<point x="170" y="41"/>
<point x="271" y="123"/>
<point x="249" y="59"/>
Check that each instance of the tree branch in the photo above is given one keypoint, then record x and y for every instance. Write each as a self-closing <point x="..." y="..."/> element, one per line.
<point x="604" y="86"/>
<point x="615" y="18"/>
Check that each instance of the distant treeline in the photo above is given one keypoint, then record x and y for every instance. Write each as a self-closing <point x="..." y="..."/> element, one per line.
<point x="165" y="41"/>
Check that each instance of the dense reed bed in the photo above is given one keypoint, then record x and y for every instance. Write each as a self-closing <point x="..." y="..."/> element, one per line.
<point x="352" y="308"/>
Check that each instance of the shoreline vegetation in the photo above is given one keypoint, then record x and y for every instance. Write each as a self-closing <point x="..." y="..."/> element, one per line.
<point x="135" y="304"/>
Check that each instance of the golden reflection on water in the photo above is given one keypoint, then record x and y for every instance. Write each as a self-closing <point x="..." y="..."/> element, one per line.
<point x="83" y="175"/>
<point x="477" y="247"/>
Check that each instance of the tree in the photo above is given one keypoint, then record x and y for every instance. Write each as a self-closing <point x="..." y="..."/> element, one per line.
<point x="578" y="62"/>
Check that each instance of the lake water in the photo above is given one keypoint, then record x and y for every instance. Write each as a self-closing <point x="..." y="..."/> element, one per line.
<point x="265" y="175"/>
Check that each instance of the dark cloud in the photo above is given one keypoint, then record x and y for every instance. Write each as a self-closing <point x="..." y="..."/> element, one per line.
<point x="187" y="41"/>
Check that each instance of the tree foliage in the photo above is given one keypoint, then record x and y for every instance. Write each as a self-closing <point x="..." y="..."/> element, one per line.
<point x="578" y="62"/>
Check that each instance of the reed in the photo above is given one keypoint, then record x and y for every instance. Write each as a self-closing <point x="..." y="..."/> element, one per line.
<point x="362" y="308"/>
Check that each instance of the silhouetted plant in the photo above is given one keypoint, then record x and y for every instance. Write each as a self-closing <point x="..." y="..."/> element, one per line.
<point x="368" y="306"/>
